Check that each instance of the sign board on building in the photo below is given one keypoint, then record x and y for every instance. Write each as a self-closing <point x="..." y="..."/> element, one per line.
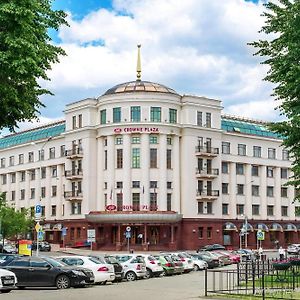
<point x="260" y="235"/>
<point x="38" y="212"/>
<point x="91" y="235"/>
<point x="111" y="207"/>
<point x="119" y="130"/>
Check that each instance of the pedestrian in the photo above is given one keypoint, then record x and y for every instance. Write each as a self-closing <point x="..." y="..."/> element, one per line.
<point x="281" y="253"/>
<point x="260" y="252"/>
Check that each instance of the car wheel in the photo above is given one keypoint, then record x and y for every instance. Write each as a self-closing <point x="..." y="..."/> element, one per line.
<point x="148" y="274"/>
<point x="62" y="282"/>
<point x="5" y="291"/>
<point x="196" y="268"/>
<point x="130" y="276"/>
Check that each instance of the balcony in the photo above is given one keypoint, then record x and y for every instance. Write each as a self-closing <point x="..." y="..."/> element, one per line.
<point x="74" y="153"/>
<point x="73" y="195"/>
<point x="207" y="194"/>
<point x="206" y="151"/>
<point x="73" y="174"/>
<point x="207" y="173"/>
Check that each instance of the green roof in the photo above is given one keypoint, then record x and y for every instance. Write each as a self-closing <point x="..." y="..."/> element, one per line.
<point x="247" y="127"/>
<point x="32" y="135"/>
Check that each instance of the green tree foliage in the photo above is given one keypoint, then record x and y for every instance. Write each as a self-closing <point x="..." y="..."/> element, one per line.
<point x="282" y="53"/>
<point x="26" y="53"/>
<point x="13" y="222"/>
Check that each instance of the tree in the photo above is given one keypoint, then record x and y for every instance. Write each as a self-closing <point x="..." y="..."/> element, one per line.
<point x="282" y="53"/>
<point x="13" y="222"/>
<point x="26" y="53"/>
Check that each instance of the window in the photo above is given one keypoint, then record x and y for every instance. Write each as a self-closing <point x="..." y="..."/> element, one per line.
<point x="270" y="172"/>
<point x="240" y="209"/>
<point x="13" y="195"/>
<point x="136" y="158"/>
<point x="30" y="157"/>
<point x="116" y="114"/>
<point x="52" y="152"/>
<point x="284" y="192"/>
<point x="135" y="201"/>
<point x="119" y="158"/>
<point x="153" y="184"/>
<point x="135" y="184"/>
<point x="43" y="172"/>
<point x="240" y="189"/>
<point x="43" y="192"/>
<point x="200" y="232"/>
<point x="200" y="207"/>
<point x="135" y="113"/>
<point x="208" y="120"/>
<point x="173" y="115"/>
<point x="242" y="149"/>
<point x="169" y="159"/>
<point x="199" y="118"/>
<point x="284" y="211"/>
<point x="2" y="162"/>
<point x="169" y="185"/>
<point x="79" y="121"/>
<point x="153" y="158"/>
<point x="256" y="151"/>
<point x="169" y="140"/>
<point x="254" y="170"/>
<point x="76" y="208"/>
<point x="119" y="185"/>
<point x="224" y="188"/>
<point x="255" y="190"/>
<point x="239" y="169"/>
<point x="225" y="167"/>
<point x="135" y="140"/>
<point x="54" y="171"/>
<point x="271" y="153"/>
<point x="53" y="190"/>
<point x="209" y="208"/>
<point x="32" y="174"/>
<point x="284" y="173"/>
<point x="41" y="154"/>
<point x="153" y="201"/>
<point x="22" y="194"/>
<point x="270" y="191"/>
<point x="153" y="139"/>
<point x="225" y="209"/>
<point x="225" y="147"/>
<point x="21" y="159"/>
<point x="4" y="179"/>
<point x="270" y="210"/>
<point x="255" y="209"/>
<point x="155" y="114"/>
<point x="32" y="193"/>
<point x="118" y="140"/>
<point x="169" y="202"/>
<point x="22" y="176"/>
<point x="119" y="201"/>
<point x="11" y="160"/>
<point x="53" y="210"/>
<point x="285" y="155"/>
<point x="105" y="159"/>
<point x="13" y="177"/>
<point x="62" y="150"/>
<point x="103" y="116"/>
<point x="209" y="232"/>
<point x="74" y="122"/>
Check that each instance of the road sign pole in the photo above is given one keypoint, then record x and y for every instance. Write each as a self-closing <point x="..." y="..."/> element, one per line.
<point x="128" y="245"/>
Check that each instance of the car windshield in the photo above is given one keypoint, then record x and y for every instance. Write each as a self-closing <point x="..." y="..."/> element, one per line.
<point x="99" y="259"/>
<point x="151" y="258"/>
<point x="95" y="260"/>
<point x="111" y="260"/>
<point x="53" y="262"/>
<point x="168" y="258"/>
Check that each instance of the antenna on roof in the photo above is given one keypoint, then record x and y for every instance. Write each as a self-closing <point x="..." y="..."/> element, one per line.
<point x="138" y="66"/>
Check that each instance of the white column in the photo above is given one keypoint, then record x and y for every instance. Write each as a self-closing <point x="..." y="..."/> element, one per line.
<point x="162" y="184"/>
<point x="145" y="165"/>
<point x="60" y="192"/>
<point x="127" y="169"/>
<point x="277" y="194"/>
<point x="99" y="175"/>
<point x="47" y="201"/>
<point x="263" y="193"/>
<point x="232" y="189"/>
<point x="111" y="170"/>
<point x="27" y="190"/>
<point x="18" y="192"/>
<point x="248" y="191"/>
<point x="176" y="175"/>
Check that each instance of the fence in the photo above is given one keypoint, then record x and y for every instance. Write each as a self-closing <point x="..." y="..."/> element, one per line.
<point x="267" y="279"/>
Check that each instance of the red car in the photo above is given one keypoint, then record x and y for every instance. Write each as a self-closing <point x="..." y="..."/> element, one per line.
<point x="234" y="258"/>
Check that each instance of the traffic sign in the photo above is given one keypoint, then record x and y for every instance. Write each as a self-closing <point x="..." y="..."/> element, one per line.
<point x="128" y="228"/>
<point x="38" y="212"/>
<point x="40" y="235"/>
<point x="38" y="227"/>
<point x="91" y="235"/>
<point x="64" y="231"/>
<point x="260" y="235"/>
<point x="128" y="234"/>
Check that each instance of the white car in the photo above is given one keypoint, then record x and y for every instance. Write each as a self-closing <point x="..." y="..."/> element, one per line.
<point x="199" y="264"/>
<point x="153" y="267"/>
<point x="293" y="249"/>
<point x="103" y="272"/>
<point x="8" y="281"/>
<point x="133" y="265"/>
<point x="187" y="261"/>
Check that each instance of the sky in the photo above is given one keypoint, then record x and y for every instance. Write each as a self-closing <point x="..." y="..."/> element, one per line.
<point x="196" y="47"/>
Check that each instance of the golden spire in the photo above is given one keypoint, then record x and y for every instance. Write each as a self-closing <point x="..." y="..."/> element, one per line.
<point x="138" y="66"/>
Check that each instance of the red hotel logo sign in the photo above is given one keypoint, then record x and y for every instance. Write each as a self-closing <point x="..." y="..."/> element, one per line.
<point x="136" y="129"/>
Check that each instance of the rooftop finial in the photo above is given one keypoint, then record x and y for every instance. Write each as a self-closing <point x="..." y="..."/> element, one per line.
<point x="138" y="66"/>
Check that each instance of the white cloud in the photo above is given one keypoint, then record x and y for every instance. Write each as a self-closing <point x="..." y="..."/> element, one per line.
<point x="194" y="46"/>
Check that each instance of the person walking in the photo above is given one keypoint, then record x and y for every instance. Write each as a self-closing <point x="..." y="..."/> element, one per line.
<point x="260" y="252"/>
<point x="281" y="253"/>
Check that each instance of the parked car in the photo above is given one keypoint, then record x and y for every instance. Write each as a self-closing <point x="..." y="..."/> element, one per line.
<point x="134" y="266"/>
<point x="178" y="264"/>
<point x="234" y="257"/>
<point x="246" y="254"/>
<point x="153" y="267"/>
<point x="118" y="269"/>
<point x="8" y="248"/>
<point x="211" y="262"/>
<point x="185" y="259"/>
<point x="6" y="257"/>
<point x="293" y="249"/>
<point x="103" y="272"/>
<point x="43" y="246"/>
<point x="212" y="247"/>
<point x="8" y="281"/>
<point x="199" y="263"/>
<point x="223" y="257"/>
<point x="45" y="271"/>
<point x="167" y="264"/>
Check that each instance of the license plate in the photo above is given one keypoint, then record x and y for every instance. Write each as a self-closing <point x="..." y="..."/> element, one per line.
<point x="8" y="281"/>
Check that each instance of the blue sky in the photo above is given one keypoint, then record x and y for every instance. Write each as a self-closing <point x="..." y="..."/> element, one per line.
<point x="196" y="47"/>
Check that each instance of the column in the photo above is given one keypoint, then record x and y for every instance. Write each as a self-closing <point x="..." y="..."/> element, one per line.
<point x="263" y="193"/>
<point x="248" y="192"/>
<point x="60" y="193"/>
<point x="118" y="242"/>
<point x="27" y="190"/>
<point x="162" y="184"/>
<point x="232" y="190"/>
<point x="18" y="192"/>
<point x="145" y="165"/>
<point x="127" y="169"/>
<point x="99" y="175"/>
<point x="176" y="175"/>
<point x="47" y="201"/>
<point x="111" y="196"/>
<point x="277" y="194"/>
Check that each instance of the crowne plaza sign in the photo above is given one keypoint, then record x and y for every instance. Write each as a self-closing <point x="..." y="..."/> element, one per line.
<point x="119" y="130"/>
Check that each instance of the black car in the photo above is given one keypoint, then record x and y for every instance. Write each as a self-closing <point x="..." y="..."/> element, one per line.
<point x="212" y="247"/>
<point x="43" y="246"/>
<point x="5" y="258"/>
<point x="211" y="262"/>
<point x="44" y="271"/>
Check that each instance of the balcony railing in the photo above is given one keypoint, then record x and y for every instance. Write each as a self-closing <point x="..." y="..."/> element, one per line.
<point x="210" y="172"/>
<point x="75" y="152"/>
<point x="73" y="195"/>
<point x="207" y="150"/>
<point x="75" y="173"/>
<point x="208" y="194"/>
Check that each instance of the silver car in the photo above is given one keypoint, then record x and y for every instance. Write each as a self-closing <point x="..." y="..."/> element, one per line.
<point x="293" y="249"/>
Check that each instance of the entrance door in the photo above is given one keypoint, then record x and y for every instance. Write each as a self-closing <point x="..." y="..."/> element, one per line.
<point x="154" y="235"/>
